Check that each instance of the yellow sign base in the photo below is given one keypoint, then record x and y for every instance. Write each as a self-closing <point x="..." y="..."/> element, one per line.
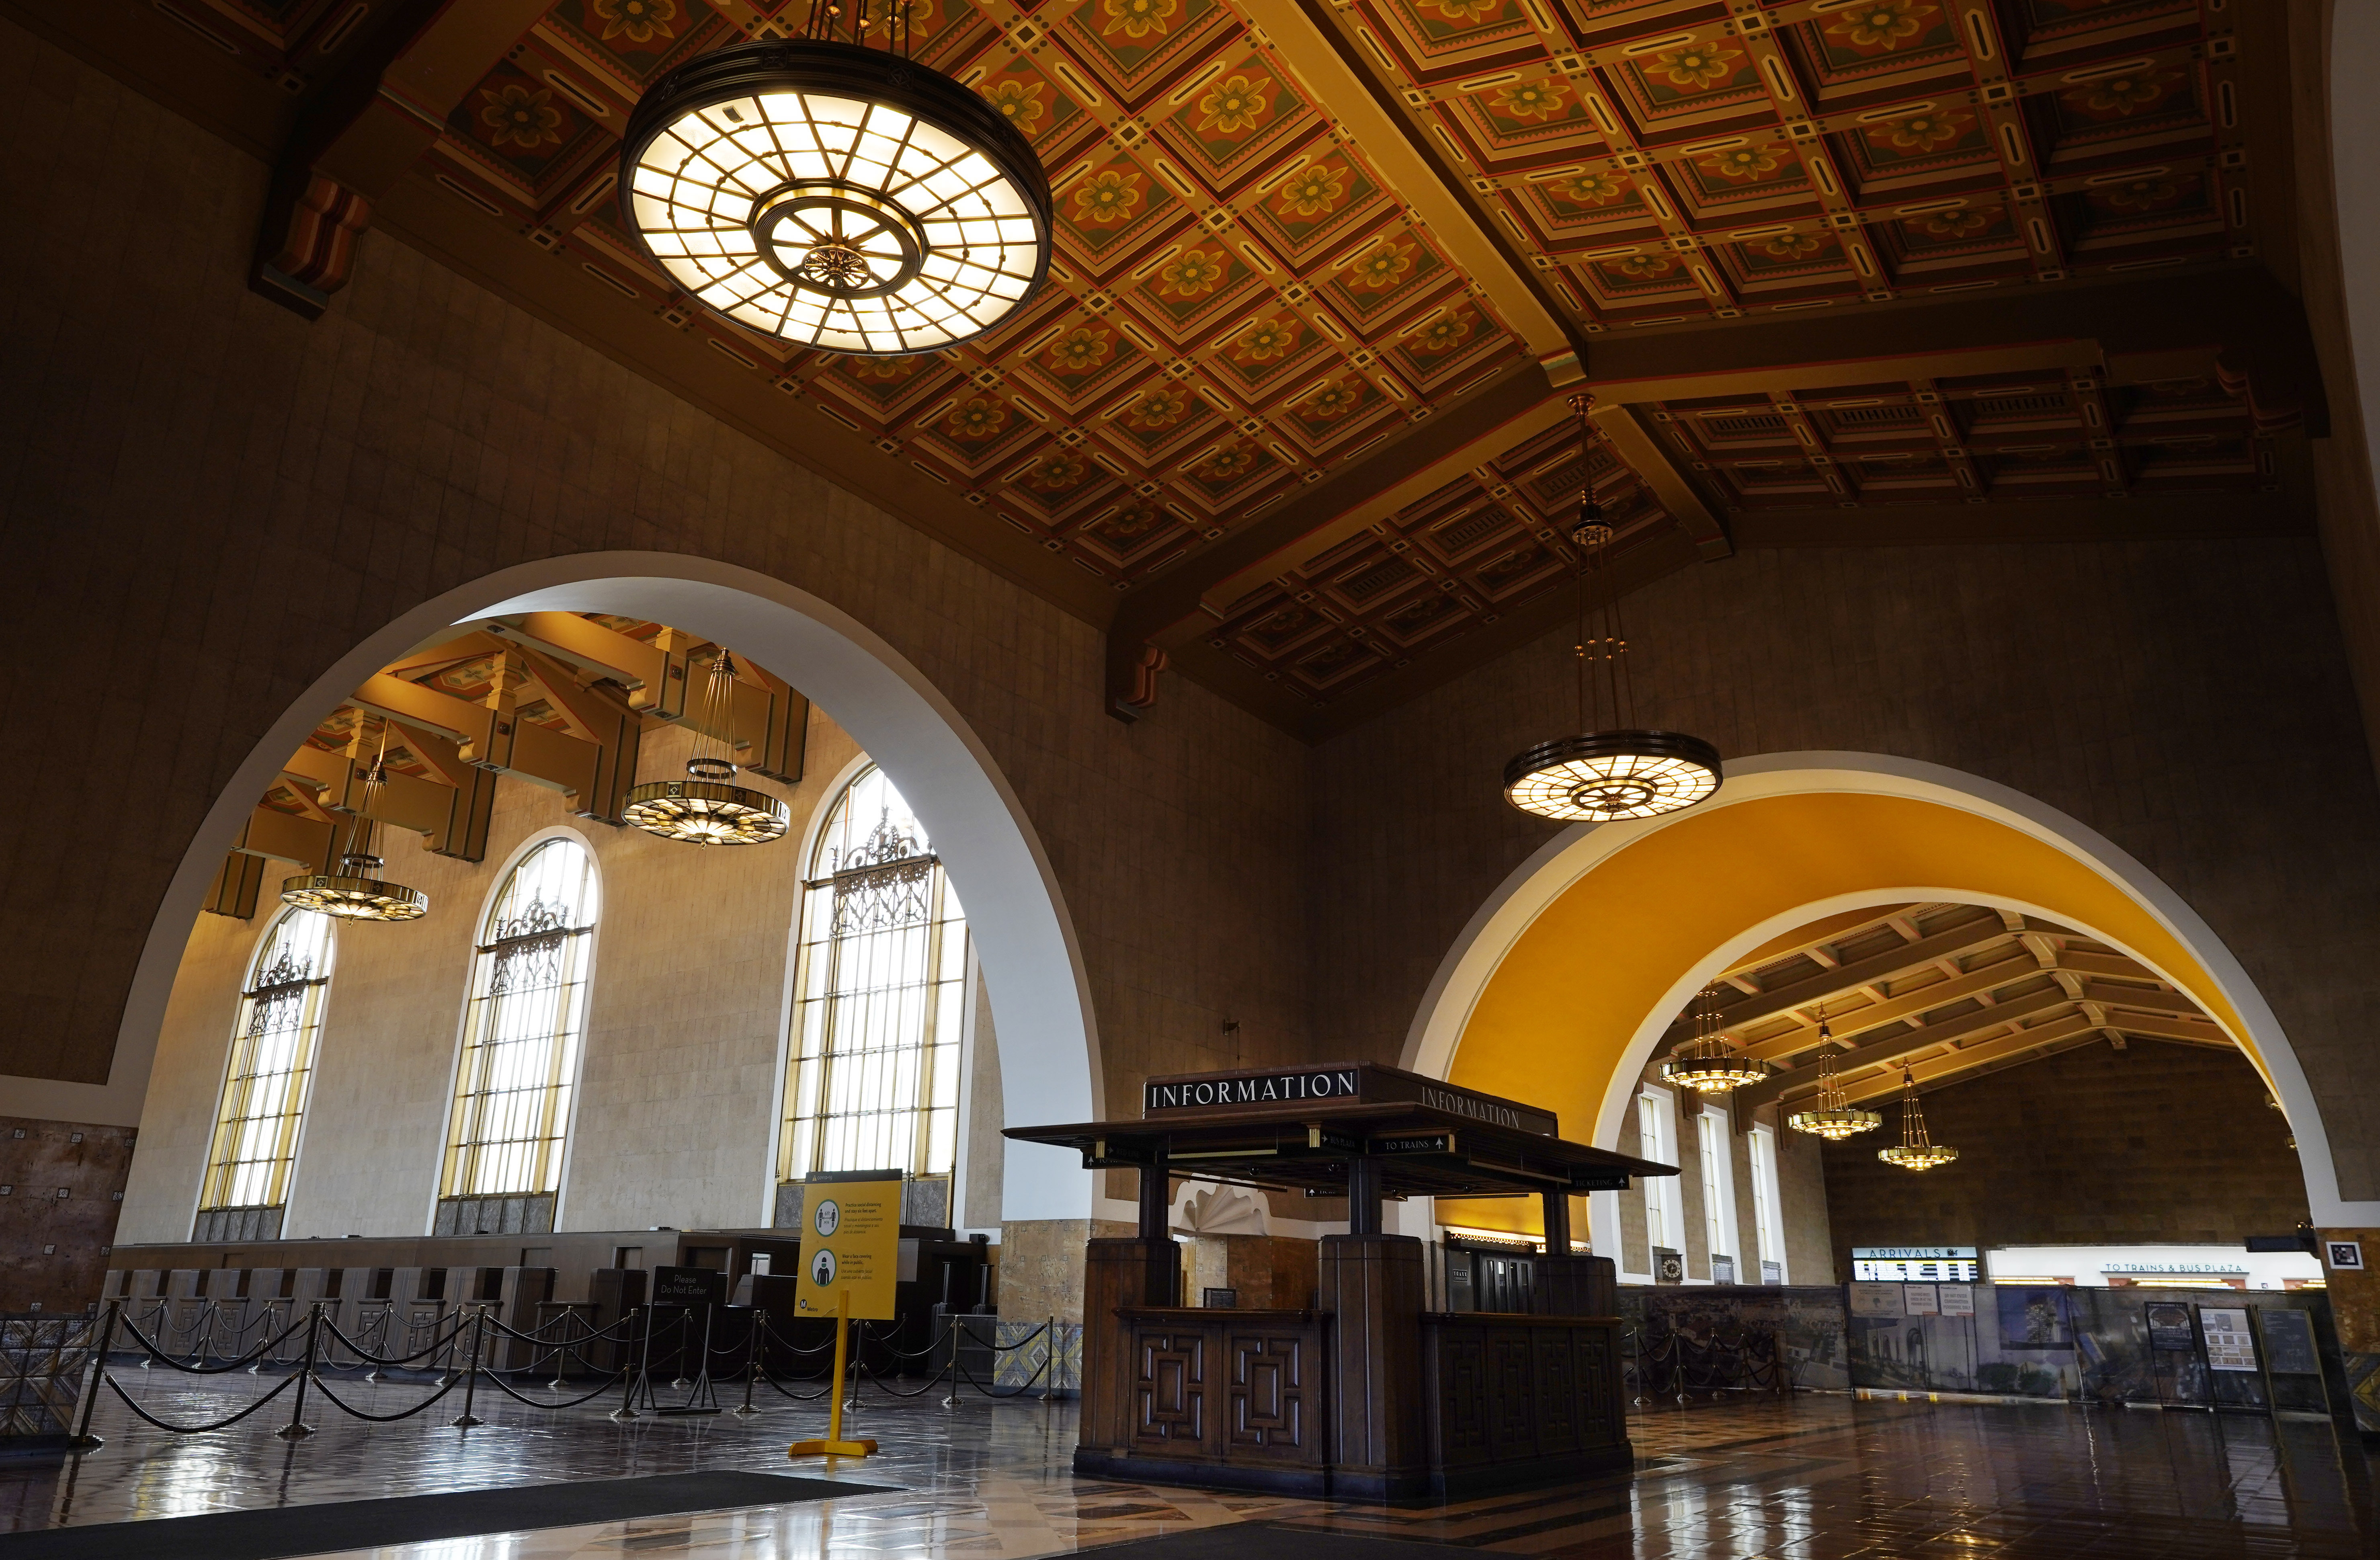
<point x="834" y="1446"/>
<point x="830" y="1449"/>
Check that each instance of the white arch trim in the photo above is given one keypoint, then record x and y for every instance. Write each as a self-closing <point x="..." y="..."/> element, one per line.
<point x="1032" y="961"/>
<point x="1463" y="974"/>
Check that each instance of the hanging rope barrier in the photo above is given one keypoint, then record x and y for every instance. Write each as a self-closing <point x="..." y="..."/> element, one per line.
<point x="463" y="1361"/>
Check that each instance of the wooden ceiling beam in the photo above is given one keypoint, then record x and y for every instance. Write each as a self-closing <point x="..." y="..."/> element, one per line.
<point x="1935" y="1070"/>
<point x="1967" y="937"/>
<point x="1895" y="1009"/>
<point x="360" y="134"/>
<point x="1895" y="1046"/>
<point x="1624" y="430"/>
<point x="2257" y="325"/>
<point x="2174" y="1027"/>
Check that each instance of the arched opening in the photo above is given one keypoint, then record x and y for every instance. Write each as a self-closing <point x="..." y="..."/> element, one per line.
<point x="1566" y="980"/>
<point x="1031" y="964"/>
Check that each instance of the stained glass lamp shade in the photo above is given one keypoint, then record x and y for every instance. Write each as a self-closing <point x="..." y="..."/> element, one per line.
<point x="836" y="196"/>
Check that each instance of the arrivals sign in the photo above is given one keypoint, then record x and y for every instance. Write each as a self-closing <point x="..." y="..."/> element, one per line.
<point x="1915" y="1264"/>
<point x="1286" y="1089"/>
<point x="851" y="1245"/>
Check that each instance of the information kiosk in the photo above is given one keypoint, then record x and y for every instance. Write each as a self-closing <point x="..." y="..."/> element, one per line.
<point x="1371" y="1394"/>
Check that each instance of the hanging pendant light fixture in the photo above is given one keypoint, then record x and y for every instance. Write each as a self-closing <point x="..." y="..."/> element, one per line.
<point x="1832" y="1118"/>
<point x="707" y="807"/>
<point x="353" y="892"/>
<point x="830" y="192"/>
<point x="1708" y="1062"/>
<point x="1915" y="1150"/>
<point x="1622" y="771"/>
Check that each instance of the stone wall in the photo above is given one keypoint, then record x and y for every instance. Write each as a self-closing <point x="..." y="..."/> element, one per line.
<point x="61" y="1189"/>
<point x="2155" y="1144"/>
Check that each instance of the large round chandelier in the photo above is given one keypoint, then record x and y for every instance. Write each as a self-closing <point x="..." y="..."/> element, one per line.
<point x="1622" y="770"/>
<point x="707" y="807"/>
<point x="1832" y="1118"/>
<point x="1915" y="1150"/>
<point x="836" y="194"/>
<point x="1707" y="1062"/>
<point x="353" y="892"/>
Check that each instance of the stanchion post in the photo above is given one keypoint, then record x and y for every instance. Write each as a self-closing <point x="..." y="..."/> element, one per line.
<point x="751" y="1361"/>
<point x="468" y="1420"/>
<point x="83" y="1440"/>
<point x="834" y="1446"/>
<point x="298" y="1429"/>
<point x="1049" y="1361"/>
<point x="953" y="1400"/>
<point x="628" y="1408"/>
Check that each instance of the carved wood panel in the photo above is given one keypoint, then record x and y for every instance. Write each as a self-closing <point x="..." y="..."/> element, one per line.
<point x="1169" y="1392"/>
<point x="1268" y="1393"/>
<point x="1555" y="1380"/>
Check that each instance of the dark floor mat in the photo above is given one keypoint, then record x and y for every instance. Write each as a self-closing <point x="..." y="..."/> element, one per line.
<point x="336" y="1525"/>
<point x="1263" y="1541"/>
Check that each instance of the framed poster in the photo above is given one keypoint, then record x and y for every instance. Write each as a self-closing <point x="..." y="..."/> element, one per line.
<point x="2289" y="1341"/>
<point x="1958" y="1300"/>
<point x="2035" y="1318"/>
<point x="1919" y="1300"/>
<point x="2230" y="1345"/>
<point x="2169" y="1327"/>
<point x="2346" y="1256"/>
<point x="1876" y="1299"/>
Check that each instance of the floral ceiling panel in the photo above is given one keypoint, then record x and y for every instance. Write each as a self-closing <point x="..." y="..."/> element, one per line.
<point x="1245" y="296"/>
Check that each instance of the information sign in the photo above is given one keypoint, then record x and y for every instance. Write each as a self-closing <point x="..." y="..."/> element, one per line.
<point x="2230" y="1345"/>
<point x="2289" y="1341"/>
<point x="1920" y="1299"/>
<point x="1875" y="1299"/>
<point x="1958" y="1300"/>
<point x="851" y="1244"/>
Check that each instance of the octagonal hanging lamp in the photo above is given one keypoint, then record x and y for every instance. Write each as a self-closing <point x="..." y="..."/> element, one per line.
<point x="1622" y="771"/>
<point x="830" y="192"/>
<point x="1915" y="1150"/>
<point x="1832" y="1118"/>
<point x="1708" y="1063"/>
<point x="708" y="807"/>
<point x="354" y="892"/>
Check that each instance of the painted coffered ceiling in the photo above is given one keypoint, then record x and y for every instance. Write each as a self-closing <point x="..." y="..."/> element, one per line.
<point x="1292" y="416"/>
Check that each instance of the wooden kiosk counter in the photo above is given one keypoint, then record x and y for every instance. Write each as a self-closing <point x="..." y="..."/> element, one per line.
<point x="1370" y="1394"/>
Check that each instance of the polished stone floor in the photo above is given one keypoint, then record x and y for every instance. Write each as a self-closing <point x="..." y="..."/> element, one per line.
<point x="1813" y="1478"/>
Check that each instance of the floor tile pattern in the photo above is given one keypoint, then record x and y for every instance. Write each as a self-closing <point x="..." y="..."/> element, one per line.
<point x="1812" y="1478"/>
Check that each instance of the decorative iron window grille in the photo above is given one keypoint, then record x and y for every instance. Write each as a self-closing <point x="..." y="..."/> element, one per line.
<point x="270" y="1066"/>
<point x="873" y="1079"/>
<point x="520" y="1046"/>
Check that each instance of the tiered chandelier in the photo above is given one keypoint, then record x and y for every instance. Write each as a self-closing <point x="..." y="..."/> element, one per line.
<point x="1833" y="1118"/>
<point x="1915" y="1150"/>
<point x="707" y="807"/>
<point x="831" y="192"/>
<point x="1708" y="1062"/>
<point x="1622" y="771"/>
<point x="353" y="892"/>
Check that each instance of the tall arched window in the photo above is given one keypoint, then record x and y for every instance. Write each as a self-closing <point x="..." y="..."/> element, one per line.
<point x="873" y="1079"/>
<point x="520" y="1047"/>
<point x="255" y="1143"/>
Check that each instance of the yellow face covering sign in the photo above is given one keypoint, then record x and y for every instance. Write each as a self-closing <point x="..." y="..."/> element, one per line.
<point x="851" y="1244"/>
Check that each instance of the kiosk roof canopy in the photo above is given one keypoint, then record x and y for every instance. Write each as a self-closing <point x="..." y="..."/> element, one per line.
<point x="1298" y="1128"/>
